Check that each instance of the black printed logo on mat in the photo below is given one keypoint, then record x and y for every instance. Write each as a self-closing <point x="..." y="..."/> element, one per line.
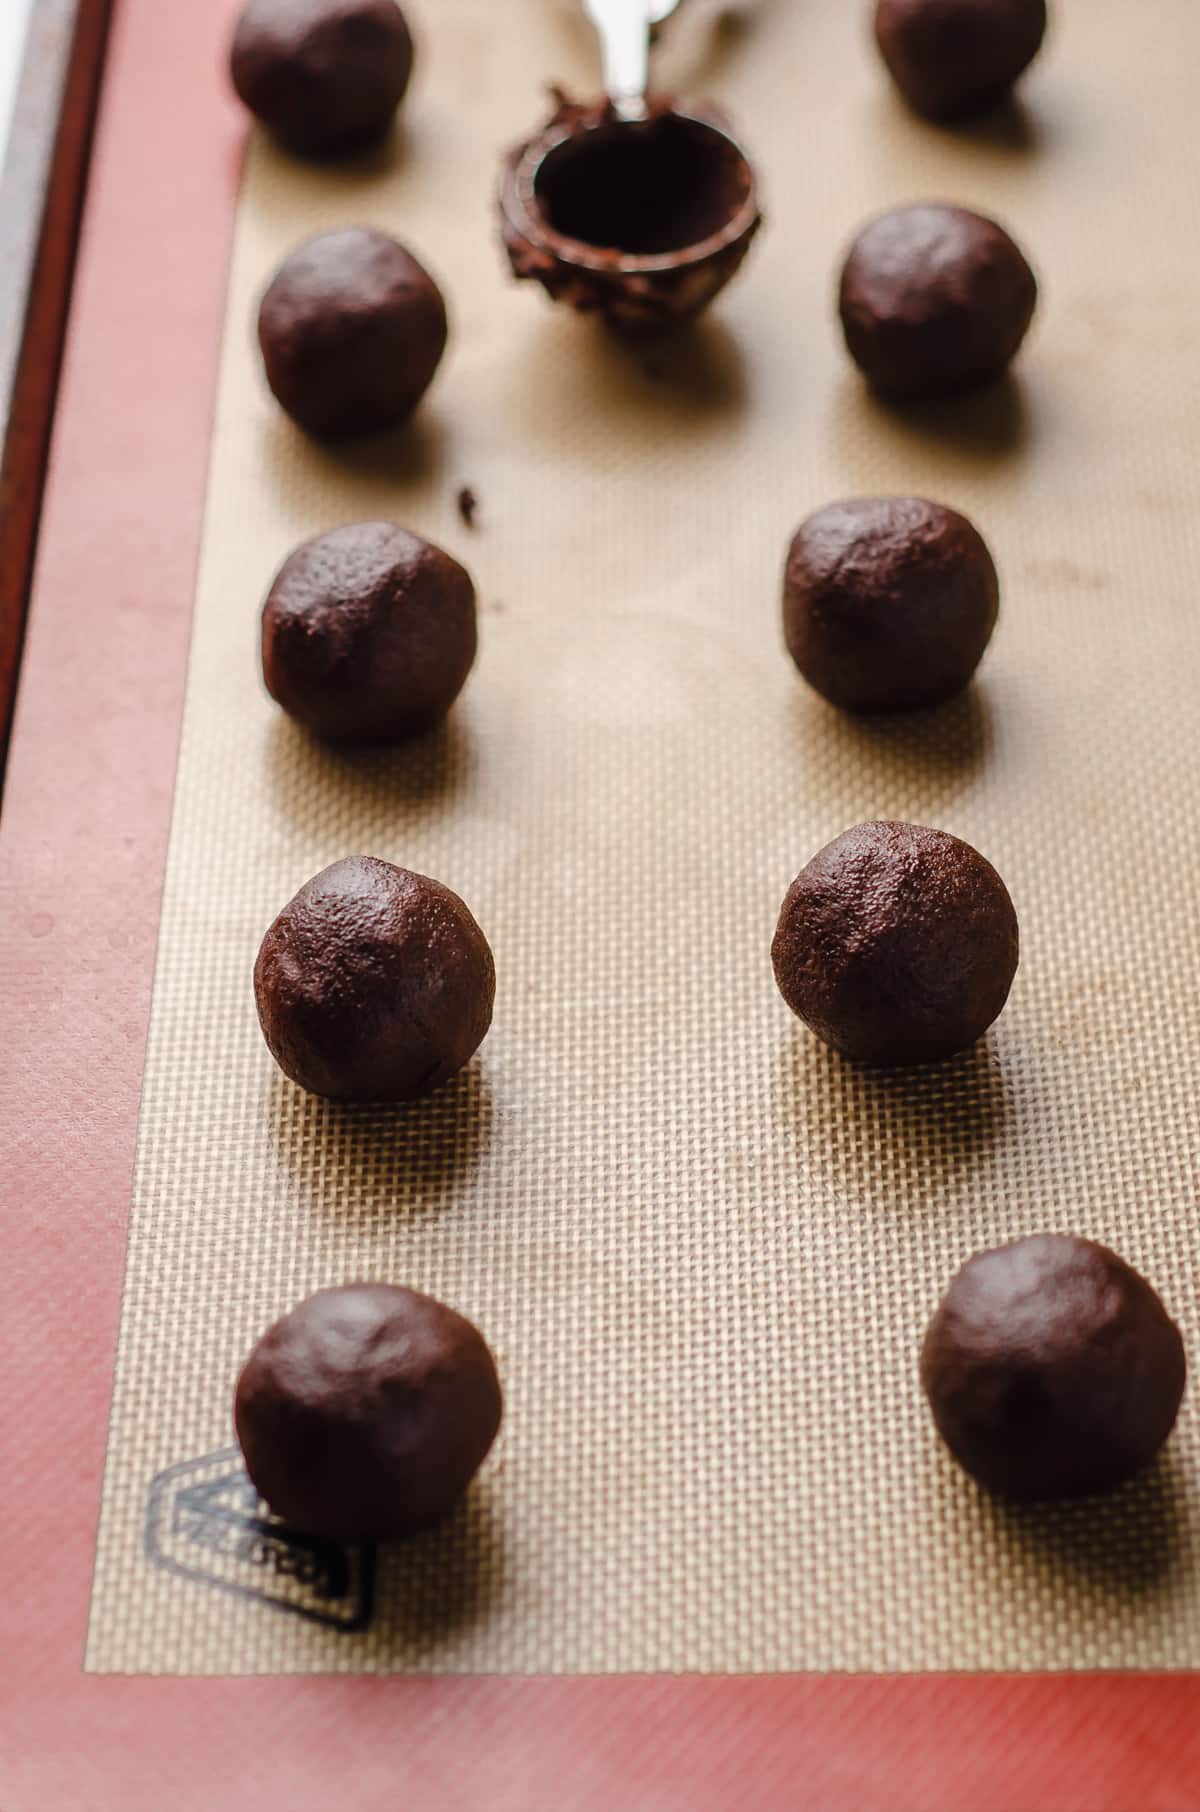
<point x="206" y="1522"/>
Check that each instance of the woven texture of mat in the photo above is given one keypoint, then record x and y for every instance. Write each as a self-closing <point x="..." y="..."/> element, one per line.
<point x="703" y="1248"/>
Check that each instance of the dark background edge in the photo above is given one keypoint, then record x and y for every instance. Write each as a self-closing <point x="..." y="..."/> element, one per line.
<point x="42" y="188"/>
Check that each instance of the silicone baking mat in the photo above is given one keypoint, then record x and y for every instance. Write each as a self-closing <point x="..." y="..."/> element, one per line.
<point x="703" y="1248"/>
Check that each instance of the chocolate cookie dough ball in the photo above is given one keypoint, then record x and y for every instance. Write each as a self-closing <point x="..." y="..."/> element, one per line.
<point x="373" y="984"/>
<point x="897" y="944"/>
<point x="324" y="76"/>
<point x="888" y="602"/>
<point x="952" y="59"/>
<point x="934" y="300"/>
<point x="366" y="1412"/>
<point x="368" y="634"/>
<point x="352" y="330"/>
<point x="1052" y="1369"/>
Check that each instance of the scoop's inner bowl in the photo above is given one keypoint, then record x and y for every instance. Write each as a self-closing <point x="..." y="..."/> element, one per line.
<point x="645" y="187"/>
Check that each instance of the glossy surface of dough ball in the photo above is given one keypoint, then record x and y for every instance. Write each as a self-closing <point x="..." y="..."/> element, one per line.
<point x="352" y="330"/>
<point x="953" y="59"/>
<point x="889" y="602"/>
<point x="373" y="984"/>
<point x="897" y="944"/>
<point x="1052" y="1369"/>
<point x="365" y="1413"/>
<point x="934" y="300"/>
<point x="324" y="76"/>
<point x="368" y="634"/>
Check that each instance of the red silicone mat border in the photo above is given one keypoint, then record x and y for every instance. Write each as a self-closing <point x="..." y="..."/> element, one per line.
<point x="82" y="850"/>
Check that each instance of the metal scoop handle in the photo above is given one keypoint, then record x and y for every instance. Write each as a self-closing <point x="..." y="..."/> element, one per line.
<point x="624" y="28"/>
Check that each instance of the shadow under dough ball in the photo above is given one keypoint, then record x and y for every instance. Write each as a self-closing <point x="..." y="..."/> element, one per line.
<point x="324" y="76"/>
<point x="934" y="301"/>
<point x="953" y="59"/>
<point x="352" y="330"/>
<point x="373" y="984"/>
<point x="896" y="945"/>
<point x="368" y="634"/>
<point x="365" y="1413"/>
<point x="1052" y="1369"/>
<point x="888" y="602"/>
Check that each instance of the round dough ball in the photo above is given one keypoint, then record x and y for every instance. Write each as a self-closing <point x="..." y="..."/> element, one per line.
<point x="373" y="984"/>
<point x="324" y="76"/>
<point x="352" y="330"/>
<point x="888" y="602"/>
<point x="1052" y="1369"/>
<point x="368" y="634"/>
<point x="365" y="1413"/>
<point x="934" y="301"/>
<point x="896" y="944"/>
<point x="953" y="59"/>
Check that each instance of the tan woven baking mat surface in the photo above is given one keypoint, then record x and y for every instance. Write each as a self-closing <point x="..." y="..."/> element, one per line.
<point x="703" y="1248"/>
